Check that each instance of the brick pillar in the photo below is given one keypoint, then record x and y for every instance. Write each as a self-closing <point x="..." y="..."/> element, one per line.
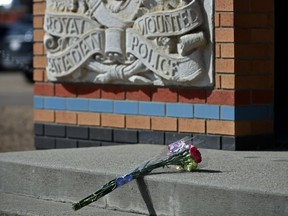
<point x="235" y="114"/>
<point x="245" y="64"/>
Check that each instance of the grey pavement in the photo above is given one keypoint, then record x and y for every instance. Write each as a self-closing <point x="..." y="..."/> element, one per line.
<point x="228" y="183"/>
<point x="16" y="112"/>
<point x="15" y="90"/>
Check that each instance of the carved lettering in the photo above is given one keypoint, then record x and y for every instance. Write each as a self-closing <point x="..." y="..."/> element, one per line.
<point x="154" y="60"/>
<point x="173" y="23"/>
<point x="90" y="44"/>
<point x="67" y="25"/>
<point x="76" y="56"/>
<point x="127" y="41"/>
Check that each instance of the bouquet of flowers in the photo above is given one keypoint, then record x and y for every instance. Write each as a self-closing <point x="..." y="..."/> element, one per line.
<point x="182" y="154"/>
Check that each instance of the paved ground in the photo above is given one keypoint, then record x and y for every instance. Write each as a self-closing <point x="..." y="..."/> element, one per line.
<point x="16" y="113"/>
<point x="244" y="183"/>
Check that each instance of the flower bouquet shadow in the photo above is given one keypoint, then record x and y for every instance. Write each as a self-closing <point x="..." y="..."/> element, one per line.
<point x="183" y="154"/>
<point x="144" y="189"/>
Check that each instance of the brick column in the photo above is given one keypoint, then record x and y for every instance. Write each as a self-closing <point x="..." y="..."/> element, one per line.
<point x="245" y="64"/>
<point x="235" y="114"/>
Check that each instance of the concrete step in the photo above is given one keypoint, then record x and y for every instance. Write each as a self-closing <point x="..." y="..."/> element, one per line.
<point x="16" y="205"/>
<point x="231" y="183"/>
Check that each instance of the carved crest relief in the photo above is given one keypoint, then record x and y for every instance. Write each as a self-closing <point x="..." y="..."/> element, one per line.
<point x="149" y="42"/>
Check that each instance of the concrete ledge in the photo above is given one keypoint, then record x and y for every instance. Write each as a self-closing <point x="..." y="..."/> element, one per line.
<point x="231" y="183"/>
<point x="15" y="205"/>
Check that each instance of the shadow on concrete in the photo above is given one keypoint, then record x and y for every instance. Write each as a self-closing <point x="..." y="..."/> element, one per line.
<point x="144" y="190"/>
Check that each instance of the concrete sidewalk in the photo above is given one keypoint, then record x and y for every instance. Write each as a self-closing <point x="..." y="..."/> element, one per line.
<point x="228" y="183"/>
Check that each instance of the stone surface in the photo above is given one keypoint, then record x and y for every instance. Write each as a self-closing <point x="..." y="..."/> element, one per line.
<point x="228" y="183"/>
<point x="13" y="205"/>
<point x="149" y="42"/>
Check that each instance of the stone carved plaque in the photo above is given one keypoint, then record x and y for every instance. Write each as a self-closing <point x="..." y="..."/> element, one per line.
<point x="146" y="42"/>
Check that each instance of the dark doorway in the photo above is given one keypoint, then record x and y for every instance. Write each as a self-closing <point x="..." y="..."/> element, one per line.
<point x="281" y="84"/>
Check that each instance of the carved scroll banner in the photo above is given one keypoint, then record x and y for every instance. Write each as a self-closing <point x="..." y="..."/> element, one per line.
<point x="162" y="64"/>
<point x="70" y="59"/>
<point x="170" y="23"/>
<point x="129" y="41"/>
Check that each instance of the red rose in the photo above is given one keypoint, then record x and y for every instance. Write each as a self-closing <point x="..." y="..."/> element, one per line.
<point x="195" y="154"/>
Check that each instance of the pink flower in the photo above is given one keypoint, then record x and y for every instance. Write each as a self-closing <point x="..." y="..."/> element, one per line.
<point x="195" y="154"/>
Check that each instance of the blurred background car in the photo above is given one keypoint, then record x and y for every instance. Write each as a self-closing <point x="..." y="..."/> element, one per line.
<point x="16" y="28"/>
<point x="18" y="47"/>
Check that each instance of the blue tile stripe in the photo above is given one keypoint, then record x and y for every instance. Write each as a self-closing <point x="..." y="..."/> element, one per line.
<point x="38" y="102"/>
<point x="177" y="110"/>
<point x="54" y="103"/>
<point x="227" y="113"/>
<point x="78" y="104"/>
<point x="105" y="106"/>
<point x="152" y="108"/>
<point x="205" y="111"/>
<point x="256" y="112"/>
<point x="126" y="107"/>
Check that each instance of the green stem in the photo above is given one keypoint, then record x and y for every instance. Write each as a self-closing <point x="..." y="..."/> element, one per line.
<point x="177" y="159"/>
<point x="107" y="188"/>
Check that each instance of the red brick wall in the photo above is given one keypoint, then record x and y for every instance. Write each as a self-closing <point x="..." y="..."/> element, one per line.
<point x="244" y="36"/>
<point x="244" y="75"/>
